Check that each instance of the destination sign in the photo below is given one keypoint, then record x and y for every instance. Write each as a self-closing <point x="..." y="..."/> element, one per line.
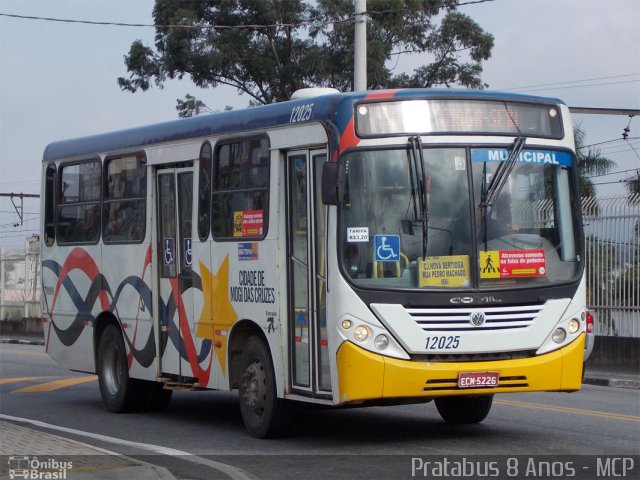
<point x="549" y="157"/>
<point x="405" y="117"/>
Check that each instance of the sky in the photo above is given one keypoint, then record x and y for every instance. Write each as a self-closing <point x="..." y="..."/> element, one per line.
<point x="59" y="80"/>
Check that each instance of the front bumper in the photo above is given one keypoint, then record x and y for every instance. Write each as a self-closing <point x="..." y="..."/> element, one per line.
<point x="364" y="376"/>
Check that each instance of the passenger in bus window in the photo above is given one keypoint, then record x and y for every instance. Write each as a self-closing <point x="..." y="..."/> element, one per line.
<point x="90" y="224"/>
<point x="499" y="218"/>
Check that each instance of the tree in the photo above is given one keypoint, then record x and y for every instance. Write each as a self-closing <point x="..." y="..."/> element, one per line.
<point x="267" y="49"/>
<point x="633" y="186"/>
<point x="590" y="162"/>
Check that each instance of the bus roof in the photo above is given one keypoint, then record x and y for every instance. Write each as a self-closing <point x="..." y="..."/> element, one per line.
<point x="331" y="107"/>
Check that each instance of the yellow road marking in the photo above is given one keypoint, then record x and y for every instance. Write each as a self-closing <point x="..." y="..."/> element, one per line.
<point x="579" y="411"/>
<point x="56" y="384"/>
<point x="4" y="381"/>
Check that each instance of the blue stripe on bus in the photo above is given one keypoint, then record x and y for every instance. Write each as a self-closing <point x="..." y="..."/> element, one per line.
<point x="336" y="109"/>
<point x="550" y="157"/>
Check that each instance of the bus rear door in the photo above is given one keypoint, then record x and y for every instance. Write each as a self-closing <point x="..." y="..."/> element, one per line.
<point x="174" y="250"/>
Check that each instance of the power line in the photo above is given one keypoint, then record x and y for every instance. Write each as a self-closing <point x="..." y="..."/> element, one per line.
<point x="582" y="86"/>
<point x="13" y="211"/>
<point x="571" y="81"/>
<point x="606" y="141"/>
<point x="16" y="225"/>
<point x="612" y="173"/>
<point x="608" y="147"/>
<point x="349" y="19"/>
<point x="625" y="180"/>
<point x="18" y="235"/>
<point x="33" y="182"/>
<point x="410" y="10"/>
<point x="633" y="148"/>
<point x="617" y="152"/>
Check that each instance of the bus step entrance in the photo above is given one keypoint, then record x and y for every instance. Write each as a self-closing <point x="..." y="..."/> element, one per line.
<point x="181" y="385"/>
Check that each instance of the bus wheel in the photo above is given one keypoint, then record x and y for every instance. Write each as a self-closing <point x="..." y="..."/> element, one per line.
<point x="262" y="410"/>
<point x="464" y="410"/>
<point x="118" y="391"/>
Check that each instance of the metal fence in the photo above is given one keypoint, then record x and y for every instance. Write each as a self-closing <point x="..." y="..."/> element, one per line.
<point x="20" y="282"/>
<point x="612" y="231"/>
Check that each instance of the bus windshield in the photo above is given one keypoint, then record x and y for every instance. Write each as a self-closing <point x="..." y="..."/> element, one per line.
<point x="418" y="218"/>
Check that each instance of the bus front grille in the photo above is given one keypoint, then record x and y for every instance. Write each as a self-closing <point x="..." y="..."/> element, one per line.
<point x="460" y="319"/>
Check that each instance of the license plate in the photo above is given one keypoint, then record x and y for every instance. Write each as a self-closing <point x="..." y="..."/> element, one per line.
<point x="478" y="379"/>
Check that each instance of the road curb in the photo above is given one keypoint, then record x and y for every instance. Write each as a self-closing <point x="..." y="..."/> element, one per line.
<point x="87" y="461"/>
<point x="15" y="341"/>
<point x="613" y="382"/>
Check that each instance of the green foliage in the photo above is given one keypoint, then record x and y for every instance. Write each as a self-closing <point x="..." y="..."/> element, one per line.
<point x="633" y="187"/>
<point x="275" y="47"/>
<point x="190" y="107"/>
<point x="590" y="162"/>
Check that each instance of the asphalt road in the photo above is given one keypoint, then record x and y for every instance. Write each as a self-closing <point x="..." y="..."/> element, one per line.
<point x="374" y="442"/>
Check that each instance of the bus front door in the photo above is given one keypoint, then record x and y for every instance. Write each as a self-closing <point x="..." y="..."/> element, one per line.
<point x="306" y="254"/>
<point x="175" y="282"/>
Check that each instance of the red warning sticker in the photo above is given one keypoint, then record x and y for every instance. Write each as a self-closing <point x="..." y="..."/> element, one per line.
<point x="512" y="263"/>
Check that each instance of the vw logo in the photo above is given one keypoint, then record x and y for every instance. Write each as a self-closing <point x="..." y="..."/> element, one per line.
<point x="477" y="319"/>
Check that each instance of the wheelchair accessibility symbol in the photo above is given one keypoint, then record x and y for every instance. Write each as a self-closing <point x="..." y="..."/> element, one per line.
<point x="386" y="248"/>
<point x="187" y="258"/>
<point x="169" y="250"/>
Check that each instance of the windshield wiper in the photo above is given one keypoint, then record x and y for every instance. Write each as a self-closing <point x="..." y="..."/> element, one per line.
<point x="421" y="210"/>
<point x="503" y="171"/>
<point x="490" y="193"/>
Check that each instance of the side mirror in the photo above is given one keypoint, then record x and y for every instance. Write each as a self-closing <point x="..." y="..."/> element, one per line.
<point x="330" y="172"/>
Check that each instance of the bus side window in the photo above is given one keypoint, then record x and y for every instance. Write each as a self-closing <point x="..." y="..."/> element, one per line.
<point x="239" y="202"/>
<point x="78" y="211"/>
<point x="204" y="192"/>
<point x="124" y="202"/>
<point x="49" y="205"/>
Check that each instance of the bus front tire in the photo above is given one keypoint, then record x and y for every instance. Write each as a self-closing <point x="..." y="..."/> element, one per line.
<point x="263" y="413"/>
<point x="464" y="409"/>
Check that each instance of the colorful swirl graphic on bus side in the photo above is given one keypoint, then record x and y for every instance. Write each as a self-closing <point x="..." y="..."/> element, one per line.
<point x="100" y="290"/>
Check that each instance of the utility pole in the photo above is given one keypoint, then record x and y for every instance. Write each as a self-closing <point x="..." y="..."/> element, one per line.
<point x="21" y="196"/>
<point x="360" y="47"/>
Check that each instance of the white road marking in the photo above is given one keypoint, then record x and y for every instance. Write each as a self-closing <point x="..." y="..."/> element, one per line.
<point x="233" y="472"/>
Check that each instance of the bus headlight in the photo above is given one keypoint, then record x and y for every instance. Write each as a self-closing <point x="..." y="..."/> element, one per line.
<point x="381" y="341"/>
<point x="574" y="325"/>
<point x="361" y="333"/>
<point x="346" y="324"/>
<point x="559" y="335"/>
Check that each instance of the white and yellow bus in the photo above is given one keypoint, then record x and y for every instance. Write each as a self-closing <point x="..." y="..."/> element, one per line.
<point x="344" y="249"/>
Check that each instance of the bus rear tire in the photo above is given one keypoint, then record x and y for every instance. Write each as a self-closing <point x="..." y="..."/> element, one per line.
<point x="119" y="392"/>
<point x="465" y="409"/>
<point x="263" y="413"/>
